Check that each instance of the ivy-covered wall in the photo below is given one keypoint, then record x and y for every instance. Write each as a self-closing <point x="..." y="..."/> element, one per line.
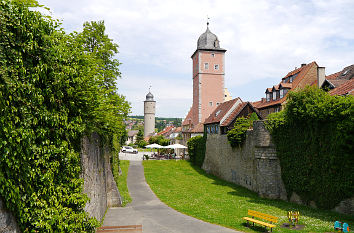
<point x="314" y="137"/>
<point x="54" y="89"/>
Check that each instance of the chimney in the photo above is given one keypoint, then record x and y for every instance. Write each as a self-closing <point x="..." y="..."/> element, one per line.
<point x="303" y="64"/>
<point x="321" y="76"/>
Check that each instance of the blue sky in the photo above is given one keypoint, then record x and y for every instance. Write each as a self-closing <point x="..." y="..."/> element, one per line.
<point x="265" y="39"/>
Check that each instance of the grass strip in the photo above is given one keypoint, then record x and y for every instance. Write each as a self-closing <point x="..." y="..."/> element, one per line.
<point x="121" y="181"/>
<point x="189" y="190"/>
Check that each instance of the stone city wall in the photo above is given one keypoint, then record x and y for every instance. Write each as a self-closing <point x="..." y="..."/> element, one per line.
<point x="254" y="165"/>
<point x="99" y="184"/>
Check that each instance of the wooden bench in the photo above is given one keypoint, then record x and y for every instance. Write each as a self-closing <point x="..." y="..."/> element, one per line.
<point x="255" y="214"/>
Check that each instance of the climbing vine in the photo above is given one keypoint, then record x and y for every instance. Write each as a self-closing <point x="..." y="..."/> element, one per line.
<point x="51" y="93"/>
<point x="237" y="135"/>
<point x="314" y="136"/>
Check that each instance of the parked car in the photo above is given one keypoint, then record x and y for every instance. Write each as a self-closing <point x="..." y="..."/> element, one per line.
<point x="129" y="149"/>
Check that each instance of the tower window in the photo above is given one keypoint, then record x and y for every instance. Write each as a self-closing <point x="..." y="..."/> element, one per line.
<point x="213" y="54"/>
<point x="210" y="103"/>
<point x="206" y="66"/>
<point x="216" y="67"/>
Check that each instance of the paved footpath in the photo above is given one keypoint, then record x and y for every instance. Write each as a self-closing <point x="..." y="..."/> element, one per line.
<point x="155" y="217"/>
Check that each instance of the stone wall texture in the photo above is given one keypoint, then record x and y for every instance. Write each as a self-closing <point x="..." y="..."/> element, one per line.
<point x="254" y="166"/>
<point x="99" y="184"/>
<point x="8" y="222"/>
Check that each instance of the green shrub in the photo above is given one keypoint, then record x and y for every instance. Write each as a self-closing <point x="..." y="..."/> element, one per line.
<point x="196" y="150"/>
<point x="314" y="139"/>
<point x="237" y="135"/>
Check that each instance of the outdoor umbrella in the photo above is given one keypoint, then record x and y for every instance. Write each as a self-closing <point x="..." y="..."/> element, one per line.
<point x="176" y="146"/>
<point x="154" y="146"/>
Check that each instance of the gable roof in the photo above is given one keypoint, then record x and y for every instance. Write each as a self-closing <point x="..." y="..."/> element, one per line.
<point x="301" y="73"/>
<point x="345" y="89"/>
<point x="342" y="81"/>
<point x="199" y="128"/>
<point x="221" y="110"/>
<point x="188" y="117"/>
<point x="237" y="111"/>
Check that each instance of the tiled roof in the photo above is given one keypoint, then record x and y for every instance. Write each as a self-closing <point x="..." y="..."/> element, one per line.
<point x="257" y="103"/>
<point x="188" y="117"/>
<point x="269" y="89"/>
<point x="199" y="128"/>
<point x="344" y="89"/>
<point x="333" y="76"/>
<point x="220" y="111"/>
<point x="178" y="129"/>
<point x="276" y="87"/>
<point x="270" y="103"/>
<point x="337" y="82"/>
<point x="166" y="130"/>
<point x="286" y="85"/>
<point x="302" y="71"/>
<point x="234" y="114"/>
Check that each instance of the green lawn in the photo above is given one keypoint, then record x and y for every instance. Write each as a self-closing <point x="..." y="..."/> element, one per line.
<point x="122" y="182"/>
<point x="193" y="192"/>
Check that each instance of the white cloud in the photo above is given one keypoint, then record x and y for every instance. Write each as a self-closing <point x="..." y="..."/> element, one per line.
<point x="265" y="39"/>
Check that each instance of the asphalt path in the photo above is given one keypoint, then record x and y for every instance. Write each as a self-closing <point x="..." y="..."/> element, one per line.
<point x="147" y="210"/>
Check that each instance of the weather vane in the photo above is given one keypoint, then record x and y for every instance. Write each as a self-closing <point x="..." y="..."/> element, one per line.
<point x="149" y="88"/>
<point x="208" y="20"/>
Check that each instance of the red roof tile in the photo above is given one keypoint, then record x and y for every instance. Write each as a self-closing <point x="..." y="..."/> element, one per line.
<point x="199" y="128"/>
<point x="286" y="85"/>
<point x="188" y="118"/>
<point x="344" y="89"/>
<point x="220" y="111"/>
<point x="257" y="103"/>
<point x="270" y="103"/>
<point x="302" y="71"/>
<point x="234" y="114"/>
<point x="333" y="76"/>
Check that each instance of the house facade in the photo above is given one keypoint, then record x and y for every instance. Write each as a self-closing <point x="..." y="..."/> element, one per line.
<point x="307" y="75"/>
<point x="132" y="135"/>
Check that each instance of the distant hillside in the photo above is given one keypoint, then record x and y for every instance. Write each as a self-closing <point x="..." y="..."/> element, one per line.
<point x="161" y="122"/>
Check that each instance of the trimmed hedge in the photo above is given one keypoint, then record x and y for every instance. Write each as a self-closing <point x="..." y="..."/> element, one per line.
<point x="196" y="150"/>
<point x="314" y="136"/>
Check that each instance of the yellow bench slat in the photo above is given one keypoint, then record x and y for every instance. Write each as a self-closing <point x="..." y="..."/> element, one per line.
<point x="262" y="216"/>
<point x="259" y="222"/>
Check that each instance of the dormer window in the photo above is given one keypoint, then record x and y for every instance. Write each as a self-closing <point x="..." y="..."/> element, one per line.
<point x="281" y="93"/>
<point x="268" y="97"/>
<point x="274" y="95"/>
